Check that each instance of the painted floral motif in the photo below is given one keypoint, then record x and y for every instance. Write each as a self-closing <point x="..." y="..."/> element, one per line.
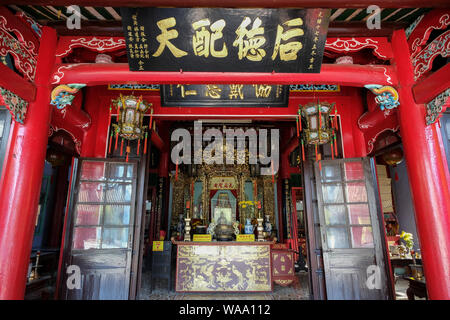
<point x="315" y="87"/>
<point x="133" y="86"/>
<point x="424" y="60"/>
<point x="16" y="105"/>
<point x="434" y="108"/>
<point x="99" y="44"/>
<point x="381" y="50"/>
<point x="24" y="55"/>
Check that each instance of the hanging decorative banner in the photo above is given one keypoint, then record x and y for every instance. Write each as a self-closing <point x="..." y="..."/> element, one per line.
<point x="225" y="40"/>
<point x="219" y="95"/>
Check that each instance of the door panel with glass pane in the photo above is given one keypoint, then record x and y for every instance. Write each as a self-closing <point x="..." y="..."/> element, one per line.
<point x="102" y="229"/>
<point x="351" y="237"/>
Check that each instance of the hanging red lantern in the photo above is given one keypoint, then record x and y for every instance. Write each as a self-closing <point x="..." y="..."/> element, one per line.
<point x="393" y="157"/>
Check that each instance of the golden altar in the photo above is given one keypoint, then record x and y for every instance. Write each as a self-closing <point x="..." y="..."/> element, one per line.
<point x="223" y="266"/>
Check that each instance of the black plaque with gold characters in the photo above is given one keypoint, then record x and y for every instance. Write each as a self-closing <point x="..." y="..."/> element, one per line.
<point x="222" y="95"/>
<point x="225" y="40"/>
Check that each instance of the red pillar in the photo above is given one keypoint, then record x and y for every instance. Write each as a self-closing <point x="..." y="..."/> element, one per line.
<point x="429" y="178"/>
<point x="22" y="175"/>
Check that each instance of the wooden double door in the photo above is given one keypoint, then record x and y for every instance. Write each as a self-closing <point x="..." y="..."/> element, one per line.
<point x="102" y="232"/>
<point x="346" y="238"/>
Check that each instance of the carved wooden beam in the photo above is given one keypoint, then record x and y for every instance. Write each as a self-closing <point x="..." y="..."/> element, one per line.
<point x="16" y="84"/>
<point x="110" y="73"/>
<point x="241" y="4"/>
<point x="429" y="87"/>
<point x="335" y="29"/>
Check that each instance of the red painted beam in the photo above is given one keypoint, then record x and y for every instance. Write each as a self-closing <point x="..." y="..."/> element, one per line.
<point x="157" y="141"/>
<point x="16" y="84"/>
<point x="102" y="74"/>
<point x="241" y="3"/>
<point x="427" y="89"/>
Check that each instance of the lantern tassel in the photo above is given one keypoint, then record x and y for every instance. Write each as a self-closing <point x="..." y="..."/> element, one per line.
<point x="151" y="120"/>
<point x="117" y="138"/>
<point x="139" y="145"/>
<point x="145" y="144"/>
<point x="109" y="119"/>
<point x="118" y="109"/>
<point x="111" y="137"/>
<point x="128" y="152"/>
<point x="320" y="119"/>
<point x="332" y="150"/>
<point x="303" y="151"/>
<point x="298" y="130"/>
<point x="320" y="162"/>
<point x="121" y="148"/>
<point x="335" y="118"/>
<point x="335" y="146"/>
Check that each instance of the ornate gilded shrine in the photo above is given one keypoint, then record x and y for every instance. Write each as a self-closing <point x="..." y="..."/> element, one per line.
<point x="207" y="193"/>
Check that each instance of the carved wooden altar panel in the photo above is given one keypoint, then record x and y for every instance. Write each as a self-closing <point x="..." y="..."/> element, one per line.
<point x="223" y="267"/>
<point x="283" y="271"/>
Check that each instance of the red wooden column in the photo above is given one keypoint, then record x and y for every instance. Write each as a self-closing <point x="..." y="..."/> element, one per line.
<point x="428" y="177"/>
<point x="21" y="182"/>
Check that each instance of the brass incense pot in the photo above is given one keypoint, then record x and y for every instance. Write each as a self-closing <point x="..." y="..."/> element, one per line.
<point x="224" y="232"/>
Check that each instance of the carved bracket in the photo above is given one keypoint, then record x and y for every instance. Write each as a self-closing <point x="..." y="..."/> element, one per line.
<point x="386" y="96"/>
<point x="15" y="104"/>
<point x="436" y="106"/>
<point x="63" y="95"/>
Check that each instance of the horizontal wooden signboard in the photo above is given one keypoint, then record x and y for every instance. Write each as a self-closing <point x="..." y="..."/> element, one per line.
<point x="219" y="95"/>
<point x="225" y="40"/>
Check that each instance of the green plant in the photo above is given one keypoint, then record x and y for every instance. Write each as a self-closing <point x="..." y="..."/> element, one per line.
<point x="407" y="239"/>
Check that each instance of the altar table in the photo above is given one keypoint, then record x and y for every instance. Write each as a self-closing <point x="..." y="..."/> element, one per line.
<point x="223" y="267"/>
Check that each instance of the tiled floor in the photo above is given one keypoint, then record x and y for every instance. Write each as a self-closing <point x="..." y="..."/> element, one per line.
<point x="298" y="291"/>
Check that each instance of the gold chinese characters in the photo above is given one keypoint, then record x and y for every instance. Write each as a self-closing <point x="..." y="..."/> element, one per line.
<point x="251" y="42"/>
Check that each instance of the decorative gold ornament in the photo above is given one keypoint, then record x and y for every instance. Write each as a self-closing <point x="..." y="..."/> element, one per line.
<point x="130" y="116"/>
<point x="317" y="115"/>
